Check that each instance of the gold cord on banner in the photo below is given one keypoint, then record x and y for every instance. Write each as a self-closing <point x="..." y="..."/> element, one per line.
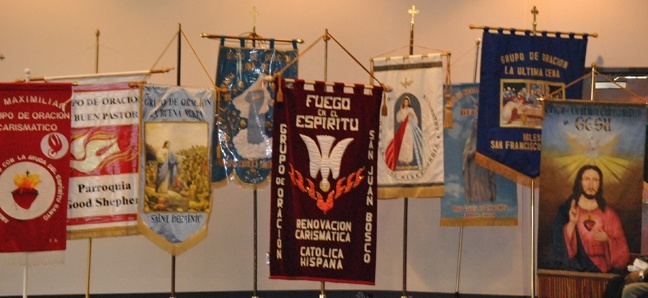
<point x="211" y="81"/>
<point x="594" y="72"/>
<point x="355" y="59"/>
<point x="326" y="36"/>
<point x="277" y="74"/>
<point x="416" y="46"/>
<point x="447" y="89"/>
<point x="447" y="92"/>
<point x="164" y="51"/>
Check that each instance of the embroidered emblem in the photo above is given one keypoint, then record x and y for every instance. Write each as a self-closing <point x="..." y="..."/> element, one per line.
<point x="325" y="159"/>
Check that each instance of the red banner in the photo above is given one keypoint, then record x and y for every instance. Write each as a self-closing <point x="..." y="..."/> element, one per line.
<point x="34" y="166"/>
<point x="323" y="224"/>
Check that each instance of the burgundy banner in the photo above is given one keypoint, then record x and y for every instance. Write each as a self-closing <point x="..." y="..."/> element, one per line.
<point x="34" y="166"/>
<point x="323" y="222"/>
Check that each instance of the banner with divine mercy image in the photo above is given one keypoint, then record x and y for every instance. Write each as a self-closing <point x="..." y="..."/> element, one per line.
<point x="175" y="185"/>
<point x="591" y="196"/>
<point x="324" y="204"/>
<point x="517" y="70"/>
<point x="34" y="172"/>
<point x="104" y="165"/>
<point x="410" y="158"/>
<point x="242" y="134"/>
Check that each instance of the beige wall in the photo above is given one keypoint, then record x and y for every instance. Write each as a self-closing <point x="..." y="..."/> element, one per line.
<point x="58" y="38"/>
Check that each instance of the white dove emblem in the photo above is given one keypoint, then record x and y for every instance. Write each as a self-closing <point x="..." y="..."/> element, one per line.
<point x="328" y="161"/>
<point x="86" y="156"/>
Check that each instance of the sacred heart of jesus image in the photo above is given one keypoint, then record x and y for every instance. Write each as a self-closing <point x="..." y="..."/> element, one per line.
<point x="26" y="192"/>
<point x="327" y="160"/>
<point x="32" y="187"/>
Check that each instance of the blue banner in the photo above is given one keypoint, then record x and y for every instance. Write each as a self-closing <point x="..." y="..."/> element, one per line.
<point x="516" y="70"/>
<point x="243" y="128"/>
<point x="474" y="195"/>
<point x="174" y="180"/>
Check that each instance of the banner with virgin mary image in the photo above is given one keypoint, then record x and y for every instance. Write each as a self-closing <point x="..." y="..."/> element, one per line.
<point x="517" y="70"/>
<point x="474" y="195"/>
<point x="591" y="196"/>
<point x="242" y="134"/>
<point x="410" y="159"/>
<point x="324" y="205"/>
<point x="175" y="185"/>
<point x="34" y="172"/>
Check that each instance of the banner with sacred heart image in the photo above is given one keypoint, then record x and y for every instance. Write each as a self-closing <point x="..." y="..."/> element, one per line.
<point x="34" y="172"/>
<point x="410" y="159"/>
<point x="591" y="197"/>
<point x="516" y="71"/>
<point x="324" y="204"/>
<point x="242" y="134"/>
<point x="175" y="184"/>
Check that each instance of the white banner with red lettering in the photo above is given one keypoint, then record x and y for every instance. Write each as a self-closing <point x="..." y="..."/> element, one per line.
<point x="104" y="164"/>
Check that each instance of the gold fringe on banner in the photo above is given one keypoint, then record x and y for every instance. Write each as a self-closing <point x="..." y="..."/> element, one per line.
<point x="572" y="284"/>
<point x="507" y="172"/>
<point x="478" y="222"/>
<point x="414" y="191"/>
<point x="103" y="232"/>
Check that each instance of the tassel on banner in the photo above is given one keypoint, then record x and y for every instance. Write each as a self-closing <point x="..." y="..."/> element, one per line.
<point x="447" y="94"/>
<point x="383" y="109"/>
<point x="278" y="86"/>
<point x="447" y="116"/>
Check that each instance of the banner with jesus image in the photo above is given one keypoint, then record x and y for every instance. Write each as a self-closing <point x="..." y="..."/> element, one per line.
<point x="324" y="203"/>
<point x="175" y="187"/>
<point x="517" y="70"/>
<point x="591" y="194"/>
<point x="410" y="159"/>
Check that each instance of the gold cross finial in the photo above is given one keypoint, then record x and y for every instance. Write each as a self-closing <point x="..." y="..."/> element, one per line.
<point x="254" y="13"/>
<point x="535" y="13"/>
<point x="413" y="11"/>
